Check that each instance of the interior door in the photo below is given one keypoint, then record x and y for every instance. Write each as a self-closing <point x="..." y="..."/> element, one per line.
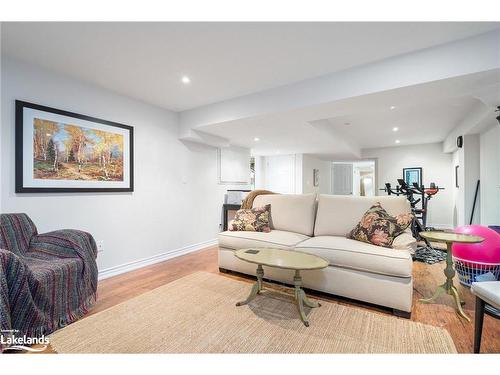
<point x="280" y="174"/>
<point x="342" y="179"/>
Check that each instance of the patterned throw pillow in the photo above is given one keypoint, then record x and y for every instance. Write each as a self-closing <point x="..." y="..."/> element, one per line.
<point x="252" y="220"/>
<point x="379" y="228"/>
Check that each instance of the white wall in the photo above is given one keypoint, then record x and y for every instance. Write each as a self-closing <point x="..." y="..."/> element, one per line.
<point x="299" y="173"/>
<point x="309" y="163"/>
<point x="437" y="168"/>
<point x="471" y="170"/>
<point x="468" y="160"/>
<point x="457" y="193"/>
<point x="490" y="176"/>
<point x="176" y="202"/>
<point x="260" y="182"/>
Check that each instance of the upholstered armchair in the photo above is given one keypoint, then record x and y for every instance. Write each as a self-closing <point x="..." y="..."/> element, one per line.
<point x="46" y="280"/>
<point x="487" y="301"/>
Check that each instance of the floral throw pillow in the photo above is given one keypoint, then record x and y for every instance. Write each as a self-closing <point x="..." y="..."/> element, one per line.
<point x="254" y="220"/>
<point x="379" y="228"/>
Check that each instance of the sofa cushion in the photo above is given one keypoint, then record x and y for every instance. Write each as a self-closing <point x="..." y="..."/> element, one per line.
<point x="405" y="241"/>
<point x="278" y="239"/>
<point x="253" y="220"/>
<point x="379" y="228"/>
<point x="344" y="252"/>
<point x="338" y="214"/>
<point x="290" y="212"/>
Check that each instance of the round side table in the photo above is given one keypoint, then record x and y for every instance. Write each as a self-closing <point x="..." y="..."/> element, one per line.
<point x="448" y="287"/>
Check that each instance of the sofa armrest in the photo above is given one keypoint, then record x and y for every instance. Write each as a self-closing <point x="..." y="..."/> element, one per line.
<point x="65" y="243"/>
<point x="405" y="241"/>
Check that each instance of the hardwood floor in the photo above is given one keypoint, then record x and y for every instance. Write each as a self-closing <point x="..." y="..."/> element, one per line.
<point x="426" y="277"/>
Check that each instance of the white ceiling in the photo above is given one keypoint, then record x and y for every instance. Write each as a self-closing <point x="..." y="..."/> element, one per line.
<point x="424" y="122"/>
<point x="223" y="60"/>
<point x="424" y="113"/>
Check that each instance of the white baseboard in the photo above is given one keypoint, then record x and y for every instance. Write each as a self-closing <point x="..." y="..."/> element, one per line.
<point x="117" y="270"/>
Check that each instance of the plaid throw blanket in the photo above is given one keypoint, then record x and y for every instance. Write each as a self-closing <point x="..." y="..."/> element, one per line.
<point x="46" y="280"/>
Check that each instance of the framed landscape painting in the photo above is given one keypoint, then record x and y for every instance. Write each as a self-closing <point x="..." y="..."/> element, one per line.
<point x="59" y="152"/>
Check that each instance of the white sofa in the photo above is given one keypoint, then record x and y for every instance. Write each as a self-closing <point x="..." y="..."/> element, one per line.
<point x="318" y="225"/>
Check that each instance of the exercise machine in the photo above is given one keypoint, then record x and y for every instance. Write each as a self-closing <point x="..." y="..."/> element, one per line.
<point x="418" y="196"/>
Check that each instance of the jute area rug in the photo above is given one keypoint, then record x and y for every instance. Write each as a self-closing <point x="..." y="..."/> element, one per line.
<point x="197" y="314"/>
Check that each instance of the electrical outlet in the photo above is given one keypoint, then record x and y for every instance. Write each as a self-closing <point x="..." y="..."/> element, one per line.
<point x="100" y="246"/>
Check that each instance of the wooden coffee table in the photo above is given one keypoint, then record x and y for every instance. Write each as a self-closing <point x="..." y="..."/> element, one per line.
<point x="284" y="259"/>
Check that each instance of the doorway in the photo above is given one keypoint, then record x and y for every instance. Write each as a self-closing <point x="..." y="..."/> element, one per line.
<point x="355" y="178"/>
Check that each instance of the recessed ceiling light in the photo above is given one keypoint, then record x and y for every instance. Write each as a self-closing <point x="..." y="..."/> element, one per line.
<point x="347" y="123"/>
<point x="397" y="141"/>
<point x="392" y="107"/>
<point x="256" y="139"/>
<point x="185" y="80"/>
<point x="395" y="129"/>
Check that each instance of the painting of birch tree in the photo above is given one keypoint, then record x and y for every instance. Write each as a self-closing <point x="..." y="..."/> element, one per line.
<point x="70" y="152"/>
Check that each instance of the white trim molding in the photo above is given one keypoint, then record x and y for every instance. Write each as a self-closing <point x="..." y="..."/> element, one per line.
<point x="117" y="270"/>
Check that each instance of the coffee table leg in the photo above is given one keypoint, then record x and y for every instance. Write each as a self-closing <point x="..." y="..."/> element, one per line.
<point x="301" y="298"/>
<point x="256" y="288"/>
<point x="260" y="276"/>
<point x="307" y="301"/>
